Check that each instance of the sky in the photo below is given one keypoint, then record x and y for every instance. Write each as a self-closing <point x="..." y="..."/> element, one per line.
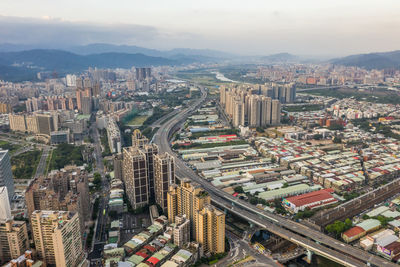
<point x="252" y="27"/>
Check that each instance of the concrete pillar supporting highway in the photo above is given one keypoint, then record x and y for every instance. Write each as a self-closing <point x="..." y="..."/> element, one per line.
<point x="309" y="255"/>
<point x="251" y="224"/>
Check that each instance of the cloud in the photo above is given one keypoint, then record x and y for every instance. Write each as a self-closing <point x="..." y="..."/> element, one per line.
<point x="57" y="32"/>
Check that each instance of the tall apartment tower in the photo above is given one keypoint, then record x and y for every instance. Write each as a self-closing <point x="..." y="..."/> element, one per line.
<point x="57" y="237"/>
<point x="275" y="112"/>
<point x="139" y="140"/>
<point x="172" y="202"/>
<point x="207" y="224"/>
<point x="255" y="111"/>
<point x="238" y="113"/>
<point x="13" y="234"/>
<point x="189" y="197"/>
<point x="135" y="176"/>
<point x="150" y="150"/>
<point x="164" y="175"/>
<point x="266" y="105"/>
<point x="211" y="229"/>
<point x="14" y="240"/>
<point x="6" y="177"/>
<point x="290" y="93"/>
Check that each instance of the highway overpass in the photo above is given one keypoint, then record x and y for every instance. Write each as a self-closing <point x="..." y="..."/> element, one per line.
<point x="311" y="239"/>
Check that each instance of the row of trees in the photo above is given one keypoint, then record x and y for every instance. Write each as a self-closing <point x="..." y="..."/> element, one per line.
<point x="338" y="227"/>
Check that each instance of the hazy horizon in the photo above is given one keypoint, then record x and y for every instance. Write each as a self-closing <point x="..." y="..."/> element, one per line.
<point x="312" y="28"/>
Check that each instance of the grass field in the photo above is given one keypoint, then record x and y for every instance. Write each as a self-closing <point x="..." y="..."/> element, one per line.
<point x="24" y="165"/>
<point x="9" y="146"/>
<point x="204" y="78"/>
<point x="138" y="120"/>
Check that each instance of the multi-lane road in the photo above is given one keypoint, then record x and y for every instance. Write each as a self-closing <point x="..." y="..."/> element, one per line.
<point x="99" y="237"/>
<point x="302" y="235"/>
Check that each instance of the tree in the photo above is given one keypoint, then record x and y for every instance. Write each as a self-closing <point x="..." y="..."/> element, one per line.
<point x="348" y="224"/>
<point x="239" y="189"/>
<point x="97" y="180"/>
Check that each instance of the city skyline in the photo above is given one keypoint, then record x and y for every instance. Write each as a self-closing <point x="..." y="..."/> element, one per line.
<point x="310" y="28"/>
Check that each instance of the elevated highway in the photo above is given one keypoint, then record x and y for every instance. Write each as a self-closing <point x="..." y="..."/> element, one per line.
<point x="314" y="241"/>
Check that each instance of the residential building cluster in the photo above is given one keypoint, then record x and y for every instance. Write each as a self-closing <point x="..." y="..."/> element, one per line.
<point x="325" y="75"/>
<point x="61" y="190"/>
<point x="352" y="109"/>
<point x="255" y="105"/>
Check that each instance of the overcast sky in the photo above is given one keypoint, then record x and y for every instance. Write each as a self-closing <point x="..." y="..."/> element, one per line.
<point x="305" y="27"/>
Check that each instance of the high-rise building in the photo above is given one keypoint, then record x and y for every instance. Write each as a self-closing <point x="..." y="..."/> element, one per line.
<point x="143" y="73"/>
<point x="14" y="239"/>
<point x="164" y="175"/>
<point x="211" y="229"/>
<point x="238" y="113"/>
<point x="66" y="189"/>
<point x="139" y="140"/>
<point x="45" y="123"/>
<point x="189" y="197"/>
<point x="57" y="237"/>
<point x="17" y="122"/>
<point x="207" y="224"/>
<point x="5" y="211"/>
<point x="252" y="105"/>
<point x="150" y="150"/>
<point x="13" y="234"/>
<point x="135" y="176"/>
<point x="181" y="231"/>
<point x="172" y="202"/>
<point x="276" y="112"/>
<point x="6" y="177"/>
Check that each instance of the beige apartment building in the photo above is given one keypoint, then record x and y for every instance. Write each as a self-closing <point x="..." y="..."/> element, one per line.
<point x="14" y="239"/>
<point x="211" y="229"/>
<point x="57" y="237"/>
<point x="207" y="224"/>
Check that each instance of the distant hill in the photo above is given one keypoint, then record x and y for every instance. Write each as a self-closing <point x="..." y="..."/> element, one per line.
<point x="18" y="64"/>
<point x="280" y="57"/>
<point x="185" y="54"/>
<point x="384" y="60"/>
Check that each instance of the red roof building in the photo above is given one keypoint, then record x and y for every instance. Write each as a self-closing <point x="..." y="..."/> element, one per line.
<point x="310" y="200"/>
<point x="353" y="234"/>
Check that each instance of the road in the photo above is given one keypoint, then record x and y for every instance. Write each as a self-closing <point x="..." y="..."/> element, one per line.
<point x="239" y="249"/>
<point x="42" y="163"/>
<point x="100" y="236"/>
<point x="286" y="228"/>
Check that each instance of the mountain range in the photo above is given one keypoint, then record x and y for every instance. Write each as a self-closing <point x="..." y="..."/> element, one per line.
<point x="383" y="60"/>
<point x="22" y="62"/>
<point x="23" y="65"/>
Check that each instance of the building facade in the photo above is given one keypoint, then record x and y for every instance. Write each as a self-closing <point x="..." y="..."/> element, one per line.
<point x="6" y="177"/>
<point x="164" y="175"/>
<point x="57" y="237"/>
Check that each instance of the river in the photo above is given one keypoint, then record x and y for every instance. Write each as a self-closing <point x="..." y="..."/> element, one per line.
<point x="222" y="77"/>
